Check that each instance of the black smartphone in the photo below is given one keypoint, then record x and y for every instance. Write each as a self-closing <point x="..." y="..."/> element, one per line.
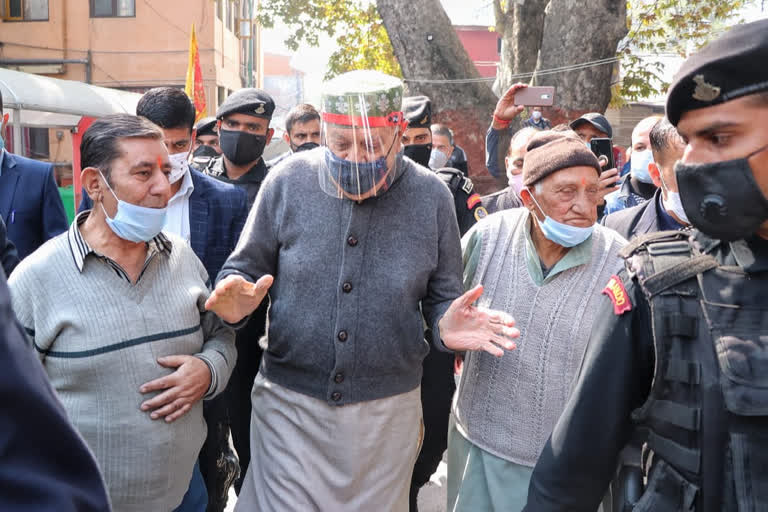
<point x="603" y="147"/>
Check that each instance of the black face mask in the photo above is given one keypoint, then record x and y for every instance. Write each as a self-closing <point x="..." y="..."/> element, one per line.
<point x="241" y="148"/>
<point x="419" y="153"/>
<point x="306" y="147"/>
<point x="722" y="199"/>
<point x="204" y="151"/>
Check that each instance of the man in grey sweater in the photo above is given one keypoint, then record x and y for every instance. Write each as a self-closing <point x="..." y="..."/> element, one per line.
<point x="546" y="263"/>
<point x="115" y="310"/>
<point x="373" y="242"/>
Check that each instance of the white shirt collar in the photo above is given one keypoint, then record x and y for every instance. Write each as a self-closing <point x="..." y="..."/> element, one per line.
<point x="186" y="188"/>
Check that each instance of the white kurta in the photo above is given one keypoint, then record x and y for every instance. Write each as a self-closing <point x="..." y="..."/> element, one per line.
<point x="307" y="455"/>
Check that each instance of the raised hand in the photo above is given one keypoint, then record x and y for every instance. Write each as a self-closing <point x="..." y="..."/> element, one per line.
<point x="234" y="298"/>
<point x="467" y="327"/>
<point x="506" y="110"/>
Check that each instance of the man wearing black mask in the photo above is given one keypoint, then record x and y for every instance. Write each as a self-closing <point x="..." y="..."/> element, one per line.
<point x="417" y="145"/>
<point x="681" y="350"/>
<point x="437" y="382"/>
<point x="205" y="147"/>
<point x="243" y="126"/>
<point x="302" y="131"/>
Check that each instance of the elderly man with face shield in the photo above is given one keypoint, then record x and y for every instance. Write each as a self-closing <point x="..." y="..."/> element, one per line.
<point x="337" y="421"/>
<point x="545" y="263"/>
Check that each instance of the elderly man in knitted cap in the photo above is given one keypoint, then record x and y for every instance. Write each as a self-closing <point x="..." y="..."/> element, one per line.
<point x="546" y="264"/>
<point x="373" y="243"/>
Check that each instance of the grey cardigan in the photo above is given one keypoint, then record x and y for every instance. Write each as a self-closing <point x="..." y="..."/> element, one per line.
<point x="351" y="279"/>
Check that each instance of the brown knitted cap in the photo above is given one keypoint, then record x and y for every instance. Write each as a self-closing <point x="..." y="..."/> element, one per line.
<point x="549" y="152"/>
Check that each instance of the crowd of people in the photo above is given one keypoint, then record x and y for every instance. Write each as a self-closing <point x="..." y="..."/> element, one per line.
<point x="320" y="330"/>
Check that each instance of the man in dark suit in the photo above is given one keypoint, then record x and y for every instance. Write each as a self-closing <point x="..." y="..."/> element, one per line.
<point x="210" y="215"/>
<point x="9" y="258"/>
<point x="663" y="211"/>
<point x="46" y="465"/>
<point x="30" y="203"/>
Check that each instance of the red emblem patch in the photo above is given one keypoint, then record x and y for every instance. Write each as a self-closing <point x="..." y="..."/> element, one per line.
<point x="473" y="200"/>
<point x="618" y="294"/>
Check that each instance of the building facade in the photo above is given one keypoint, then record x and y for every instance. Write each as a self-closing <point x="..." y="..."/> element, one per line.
<point x="132" y="45"/>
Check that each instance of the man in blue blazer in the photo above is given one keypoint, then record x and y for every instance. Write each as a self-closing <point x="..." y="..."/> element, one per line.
<point x="30" y="203"/>
<point x="209" y="214"/>
<point x="9" y="258"/>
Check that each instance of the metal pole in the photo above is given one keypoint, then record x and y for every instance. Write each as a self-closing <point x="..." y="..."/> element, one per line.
<point x="18" y="145"/>
<point x="250" y="44"/>
<point x="88" y="67"/>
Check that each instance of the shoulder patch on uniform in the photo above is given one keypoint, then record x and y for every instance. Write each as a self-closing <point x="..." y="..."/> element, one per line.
<point x="467" y="186"/>
<point x="473" y="200"/>
<point x="616" y="291"/>
<point x="481" y="213"/>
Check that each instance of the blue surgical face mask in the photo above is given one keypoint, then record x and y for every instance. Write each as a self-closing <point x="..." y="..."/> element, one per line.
<point x="639" y="165"/>
<point x="357" y="178"/>
<point x="437" y="159"/>
<point x="562" y="234"/>
<point x="133" y="222"/>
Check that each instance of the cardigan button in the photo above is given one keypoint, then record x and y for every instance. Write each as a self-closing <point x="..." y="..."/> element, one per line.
<point x="352" y="241"/>
<point x="347" y="287"/>
<point x="336" y="396"/>
<point x="342" y="335"/>
<point x="338" y="378"/>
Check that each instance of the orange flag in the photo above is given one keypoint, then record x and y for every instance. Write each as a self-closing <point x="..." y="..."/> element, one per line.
<point x="194" y="85"/>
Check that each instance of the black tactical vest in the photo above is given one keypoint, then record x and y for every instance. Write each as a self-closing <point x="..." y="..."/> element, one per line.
<point x="706" y="417"/>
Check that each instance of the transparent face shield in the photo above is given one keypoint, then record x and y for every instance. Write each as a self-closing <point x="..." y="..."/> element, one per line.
<point x="361" y="144"/>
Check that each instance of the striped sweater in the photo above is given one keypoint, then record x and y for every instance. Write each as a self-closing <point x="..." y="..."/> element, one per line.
<point x="99" y="337"/>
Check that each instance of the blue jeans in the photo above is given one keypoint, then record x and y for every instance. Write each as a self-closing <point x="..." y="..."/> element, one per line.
<point x="196" y="498"/>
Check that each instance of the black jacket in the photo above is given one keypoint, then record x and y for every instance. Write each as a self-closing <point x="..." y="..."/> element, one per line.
<point x="580" y="457"/>
<point x="639" y="220"/>
<point x="46" y="464"/>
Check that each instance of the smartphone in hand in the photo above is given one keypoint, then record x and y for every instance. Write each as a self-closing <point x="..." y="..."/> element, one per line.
<point x="603" y="147"/>
<point x="535" y="96"/>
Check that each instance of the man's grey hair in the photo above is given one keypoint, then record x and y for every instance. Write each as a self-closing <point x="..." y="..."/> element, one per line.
<point x="442" y="130"/>
<point x="524" y="133"/>
<point x="101" y="141"/>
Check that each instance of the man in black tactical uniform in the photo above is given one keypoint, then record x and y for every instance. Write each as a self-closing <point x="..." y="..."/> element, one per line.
<point x="417" y="145"/>
<point x="242" y="123"/>
<point x="243" y="127"/>
<point x="437" y="382"/>
<point x="205" y="147"/>
<point x="682" y="350"/>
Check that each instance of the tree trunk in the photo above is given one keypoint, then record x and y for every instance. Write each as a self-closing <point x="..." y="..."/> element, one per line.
<point x="521" y="25"/>
<point x="575" y="32"/>
<point x="427" y="47"/>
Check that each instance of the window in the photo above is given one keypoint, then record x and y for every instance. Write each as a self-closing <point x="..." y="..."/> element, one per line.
<point x="39" y="146"/>
<point x="230" y="15"/>
<point x="220" y="9"/>
<point x="221" y="95"/>
<point x="113" y="8"/>
<point x="24" y="10"/>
